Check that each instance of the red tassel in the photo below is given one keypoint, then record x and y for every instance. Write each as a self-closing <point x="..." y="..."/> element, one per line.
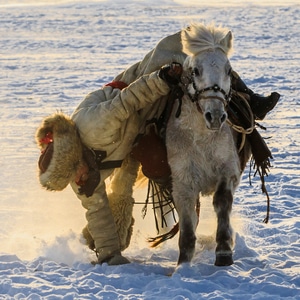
<point x="117" y="85"/>
<point x="47" y="139"/>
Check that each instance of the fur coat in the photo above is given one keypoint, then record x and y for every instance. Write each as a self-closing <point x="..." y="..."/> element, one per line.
<point x="109" y="120"/>
<point x="118" y="122"/>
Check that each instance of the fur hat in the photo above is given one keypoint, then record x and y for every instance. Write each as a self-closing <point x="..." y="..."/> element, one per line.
<point x="61" y="148"/>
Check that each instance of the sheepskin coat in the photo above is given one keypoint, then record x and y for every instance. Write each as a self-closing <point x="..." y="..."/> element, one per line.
<point x="109" y="119"/>
<point x="168" y="50"/>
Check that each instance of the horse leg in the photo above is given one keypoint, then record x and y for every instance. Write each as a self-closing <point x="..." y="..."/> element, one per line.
<point x="188" y="221"/>
<point x="222" y="202"/>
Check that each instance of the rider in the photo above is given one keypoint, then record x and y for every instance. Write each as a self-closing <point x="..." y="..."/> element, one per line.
<point x="107" y="123"/>
<point x="85" y="154"/>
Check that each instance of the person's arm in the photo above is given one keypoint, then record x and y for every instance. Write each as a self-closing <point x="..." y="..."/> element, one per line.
<point x="142" y="92"/>
<point x="105" y="110"/>
<point x="110" y="107"/>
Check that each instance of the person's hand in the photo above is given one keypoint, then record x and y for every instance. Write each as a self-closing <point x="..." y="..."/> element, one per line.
<point x="88" y="187"/>
<point x="171" y="73"/>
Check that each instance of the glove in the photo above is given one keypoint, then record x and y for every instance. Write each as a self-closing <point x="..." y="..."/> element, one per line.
<point x="171" y="73"/>
<point x="89" y="186"/>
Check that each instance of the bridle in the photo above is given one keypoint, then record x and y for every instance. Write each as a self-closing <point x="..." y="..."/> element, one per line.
<point x="199" y="93"/>
<point x="178" y="91"/>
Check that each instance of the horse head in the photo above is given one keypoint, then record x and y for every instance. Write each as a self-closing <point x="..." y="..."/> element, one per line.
<point x="207" y="71"/>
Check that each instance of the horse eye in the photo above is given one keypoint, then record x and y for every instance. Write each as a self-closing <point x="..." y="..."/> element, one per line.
<point x="196" y="72"/>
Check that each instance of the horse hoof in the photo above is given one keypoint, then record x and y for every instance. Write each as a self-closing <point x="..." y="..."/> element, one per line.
<point x="223" y="260"/>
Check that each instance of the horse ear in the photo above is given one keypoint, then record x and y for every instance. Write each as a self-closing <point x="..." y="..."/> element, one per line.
<point x="226" y="42"/>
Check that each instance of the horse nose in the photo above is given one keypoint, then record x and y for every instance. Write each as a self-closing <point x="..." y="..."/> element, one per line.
<point x="223" y="118"/>
<point x="208" y="117"/>
<point x="215" y="120"/>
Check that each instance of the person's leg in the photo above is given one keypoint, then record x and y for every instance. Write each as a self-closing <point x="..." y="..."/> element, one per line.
<point x="259" y="104"/>
<point x="121" y="199"/>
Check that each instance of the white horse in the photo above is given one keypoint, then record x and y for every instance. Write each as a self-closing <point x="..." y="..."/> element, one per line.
<point x="201" y="146"/>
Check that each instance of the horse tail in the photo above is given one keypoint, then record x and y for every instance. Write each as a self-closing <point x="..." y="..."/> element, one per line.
<point x="163" y="237"/>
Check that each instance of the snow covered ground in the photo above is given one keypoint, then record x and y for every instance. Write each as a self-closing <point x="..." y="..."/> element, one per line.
<point x="53" y="54"/>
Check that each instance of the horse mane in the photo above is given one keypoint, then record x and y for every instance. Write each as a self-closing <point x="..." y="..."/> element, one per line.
<point x="198" y="37"/>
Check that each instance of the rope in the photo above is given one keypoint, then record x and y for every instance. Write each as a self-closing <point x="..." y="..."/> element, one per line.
<point x="241" y="129"/>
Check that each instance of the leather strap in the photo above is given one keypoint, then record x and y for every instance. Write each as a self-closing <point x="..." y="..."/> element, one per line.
<point x="94" y="158"/>
<point x="99" y="155"/>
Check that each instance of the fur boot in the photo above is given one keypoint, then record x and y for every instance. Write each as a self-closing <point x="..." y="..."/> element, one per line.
<point x="121" y="200"/>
